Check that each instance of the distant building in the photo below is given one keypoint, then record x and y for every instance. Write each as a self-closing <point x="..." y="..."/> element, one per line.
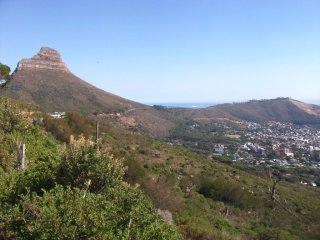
<point x="288" y="153"/>
<point x="57" y="114"/>
<point x="218" y="149"/>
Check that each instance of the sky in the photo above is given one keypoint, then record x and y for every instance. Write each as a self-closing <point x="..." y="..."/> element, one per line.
<point x="157" y="51"/>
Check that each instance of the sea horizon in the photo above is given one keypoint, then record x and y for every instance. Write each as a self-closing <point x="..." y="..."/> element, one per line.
<point x="184" y="104"/>
<point x="209" y="104"/>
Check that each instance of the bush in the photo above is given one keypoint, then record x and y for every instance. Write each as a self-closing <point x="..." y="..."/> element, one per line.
<point x="135" y="173"/>
<point x="72" y="213"/>
<point x="83" y="165"/>
<point x="163" y="195"/>
<point x="228" y="192"/>
<point x="91" y="200"/>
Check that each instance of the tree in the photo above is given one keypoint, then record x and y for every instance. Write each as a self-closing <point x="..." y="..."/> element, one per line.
<point x="5" y="76"/>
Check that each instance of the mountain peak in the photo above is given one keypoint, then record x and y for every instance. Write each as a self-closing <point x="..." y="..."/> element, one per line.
<point x="47" y="58"/>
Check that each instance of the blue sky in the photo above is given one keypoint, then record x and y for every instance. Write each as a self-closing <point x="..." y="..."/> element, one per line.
<point x="175" y="51"/>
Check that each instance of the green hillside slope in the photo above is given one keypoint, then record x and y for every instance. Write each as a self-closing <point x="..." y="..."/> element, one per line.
<point x="208" y="199"/>
<point x="66" y="192"/>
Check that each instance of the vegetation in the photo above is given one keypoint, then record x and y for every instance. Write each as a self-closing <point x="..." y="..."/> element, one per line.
<point x="5" y="76"/>
<point x="80" y="190"/>
<point x="68" y="192"/>
<point x="206" y="135"/>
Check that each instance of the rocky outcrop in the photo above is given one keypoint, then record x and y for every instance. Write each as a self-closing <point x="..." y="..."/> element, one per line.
<point x="47" y="58"/>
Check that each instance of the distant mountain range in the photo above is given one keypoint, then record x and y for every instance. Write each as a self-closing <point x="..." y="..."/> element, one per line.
<point x="46" y="81"/>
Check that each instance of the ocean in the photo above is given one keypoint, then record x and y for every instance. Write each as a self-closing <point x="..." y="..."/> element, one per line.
<point x="184" y="105"/>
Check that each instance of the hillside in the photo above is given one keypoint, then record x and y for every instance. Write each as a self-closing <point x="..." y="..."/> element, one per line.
<point x="66" y="192"/>
<point x="46" y="81"/>
<point x="208" y="199"/>
<point x="279" y="110"/>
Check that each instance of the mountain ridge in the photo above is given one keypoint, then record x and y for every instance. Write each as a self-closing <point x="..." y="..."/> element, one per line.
<point x="45" y="80"/>
<point x="279" y="109"/>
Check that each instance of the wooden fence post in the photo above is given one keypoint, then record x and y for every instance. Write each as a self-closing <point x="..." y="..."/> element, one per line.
<point x="97" y="131"/>
<point x="21" y="155"/>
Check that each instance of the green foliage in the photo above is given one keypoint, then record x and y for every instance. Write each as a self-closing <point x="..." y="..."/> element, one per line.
<point x="72" y="124"/>
<point x="72" y="213"/>
<point x="15" y="128"/>
<point x="84" y="165"/>
<point x="5" y="76"/>
<point x="92" y="203"/>
<point x="79" y="124"/>
<point x="135" y="172"/>
<point x="11" y="120"/>
<point x="59" y="129"/>
<point x="78" y="190"/>
<point x="206" y="135"/>
<point x="68" y="192"/>
<point x="229" y="192"/>
<point x="202" y="219"/>
<point x="274" y="233"/>
<point x="163" y="194"/>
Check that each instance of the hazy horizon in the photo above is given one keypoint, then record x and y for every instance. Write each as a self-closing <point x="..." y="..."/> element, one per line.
<point x="196" y="104"/>
<point x="181" y="51"/>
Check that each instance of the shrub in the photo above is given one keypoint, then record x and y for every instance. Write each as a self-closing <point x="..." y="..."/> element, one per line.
<point x="163" y="195"/>
<point x="90" y="201"/>
<point x="83" y="165"/>
<point x="72" y="213"/>
<point x="135" y="173"/>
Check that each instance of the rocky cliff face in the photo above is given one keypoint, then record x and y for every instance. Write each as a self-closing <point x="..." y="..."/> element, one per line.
<point x="47" y="58"/>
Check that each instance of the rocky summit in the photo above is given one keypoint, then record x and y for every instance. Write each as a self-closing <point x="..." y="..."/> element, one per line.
<point x="45" y="80"/>
<point x="47" y="58"/>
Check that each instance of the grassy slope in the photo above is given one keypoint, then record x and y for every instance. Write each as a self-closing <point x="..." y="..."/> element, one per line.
<point x="39" y="201"/>
<point x="251" y="213"/>
<point x="199" y="190"/>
